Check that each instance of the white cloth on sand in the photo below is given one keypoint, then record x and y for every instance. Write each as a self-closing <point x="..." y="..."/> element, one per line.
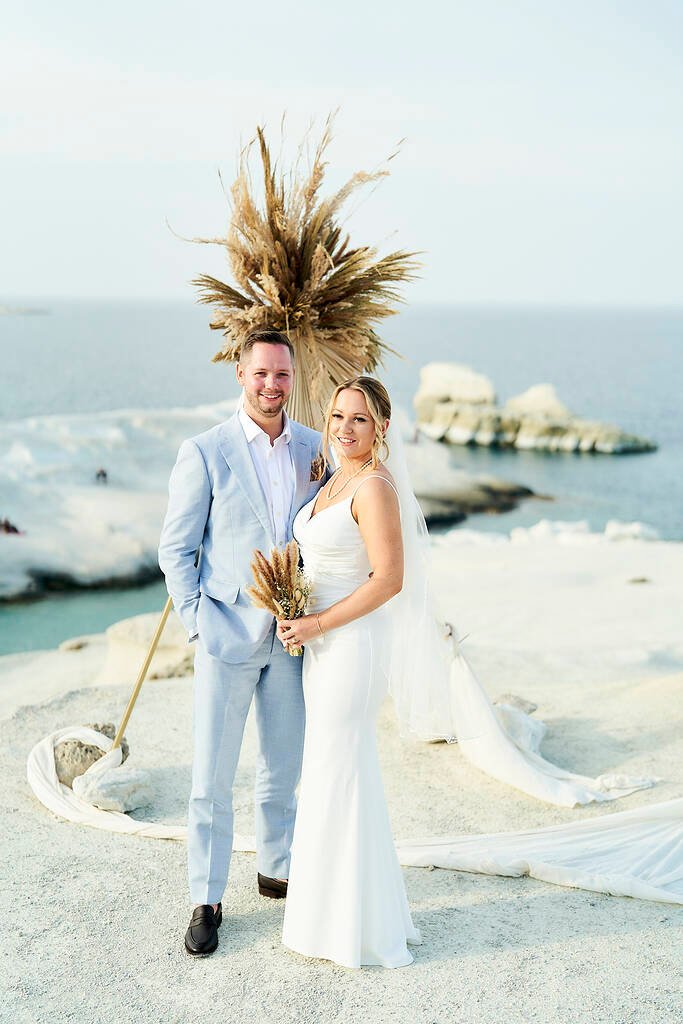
<point x="632" y="853"/>
<point x="62" y="801"/>
<point x="635" y="853"/>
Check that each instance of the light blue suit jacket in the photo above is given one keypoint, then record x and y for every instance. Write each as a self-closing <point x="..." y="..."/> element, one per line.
<point x="217" y="515"/>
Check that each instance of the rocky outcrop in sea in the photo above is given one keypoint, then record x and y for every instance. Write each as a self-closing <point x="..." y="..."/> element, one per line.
<point x="459" y="406"/>
<point x="448" y="494"/>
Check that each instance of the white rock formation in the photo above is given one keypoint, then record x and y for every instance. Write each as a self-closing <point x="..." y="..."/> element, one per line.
<point x="579" y="532"/>
<point x="451" y="382"/>
<point x="615" y="530"/>
<point x="74" y="530"/>
<point x="457" y="405"/>
<point x="127" y="645"/>
<point x="539" y="400"/>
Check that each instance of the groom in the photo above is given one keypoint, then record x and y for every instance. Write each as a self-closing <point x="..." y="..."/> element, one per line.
<point x="234" y="488"/>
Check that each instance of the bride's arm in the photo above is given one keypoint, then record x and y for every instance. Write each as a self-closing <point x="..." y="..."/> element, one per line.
<point x="377" y="514"/>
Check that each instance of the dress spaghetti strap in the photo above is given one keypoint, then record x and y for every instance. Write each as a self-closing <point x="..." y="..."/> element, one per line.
<point x="377" y="476"/>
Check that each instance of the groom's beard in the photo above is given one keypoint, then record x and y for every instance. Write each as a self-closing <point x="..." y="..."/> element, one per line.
<point x="258" y="404"/>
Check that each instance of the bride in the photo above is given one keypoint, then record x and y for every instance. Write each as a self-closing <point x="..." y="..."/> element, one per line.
<point x="371" y="629"/>
<point x="346" y="900"/>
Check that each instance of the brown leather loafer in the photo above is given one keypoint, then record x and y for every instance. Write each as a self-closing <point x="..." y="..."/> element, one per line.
<point x="201" y="937"/>
<point x="272" y="887"/>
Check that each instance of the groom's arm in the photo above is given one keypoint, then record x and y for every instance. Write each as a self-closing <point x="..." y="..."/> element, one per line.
<point x="189" y="502"/>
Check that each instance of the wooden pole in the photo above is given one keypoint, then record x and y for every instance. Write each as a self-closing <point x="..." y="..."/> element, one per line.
<point x="143" y="672"/>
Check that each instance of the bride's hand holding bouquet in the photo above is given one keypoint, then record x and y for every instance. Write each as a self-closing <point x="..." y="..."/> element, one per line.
<point x="299" y="631"/>
<point x="282" y="588"/>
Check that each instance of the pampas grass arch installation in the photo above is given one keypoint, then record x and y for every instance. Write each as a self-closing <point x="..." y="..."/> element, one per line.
<point x="295" y="270"/>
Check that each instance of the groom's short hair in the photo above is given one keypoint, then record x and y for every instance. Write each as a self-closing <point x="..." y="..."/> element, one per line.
<point x="265" y="336"/>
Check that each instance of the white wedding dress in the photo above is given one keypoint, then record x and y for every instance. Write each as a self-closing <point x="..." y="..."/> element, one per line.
<point x="346" y="899"/>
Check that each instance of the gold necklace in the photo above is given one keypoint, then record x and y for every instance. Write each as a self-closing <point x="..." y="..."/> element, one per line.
<point x="330" y="495"/>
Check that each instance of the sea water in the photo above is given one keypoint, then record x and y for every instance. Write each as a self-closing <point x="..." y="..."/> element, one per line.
<point x="616" y="365"/>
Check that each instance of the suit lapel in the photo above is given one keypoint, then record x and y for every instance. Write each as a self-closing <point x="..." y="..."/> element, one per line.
<point x="234" y="448"/>
<point x="301" y="456"/>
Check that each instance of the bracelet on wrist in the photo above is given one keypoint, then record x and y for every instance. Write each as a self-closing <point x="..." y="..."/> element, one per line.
<point x="320" y="628"/>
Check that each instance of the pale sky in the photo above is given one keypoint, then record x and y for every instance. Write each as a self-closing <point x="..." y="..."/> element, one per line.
<point x="542" y="160"/>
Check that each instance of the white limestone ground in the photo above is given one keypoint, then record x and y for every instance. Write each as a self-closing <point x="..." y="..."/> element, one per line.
<point x="94" y="921"/>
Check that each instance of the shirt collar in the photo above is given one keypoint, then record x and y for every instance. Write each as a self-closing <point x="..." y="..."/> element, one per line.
<point x="252" y="430"/>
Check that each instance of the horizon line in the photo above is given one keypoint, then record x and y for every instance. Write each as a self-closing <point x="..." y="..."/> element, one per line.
<point x="21" y="303"/>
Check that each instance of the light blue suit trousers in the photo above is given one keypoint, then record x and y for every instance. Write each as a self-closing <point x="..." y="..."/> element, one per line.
<point x="222" y="697"/>
<point x="217" y="515"/>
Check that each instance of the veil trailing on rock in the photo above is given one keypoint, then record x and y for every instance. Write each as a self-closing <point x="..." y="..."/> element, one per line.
<point x="437" y="695"/>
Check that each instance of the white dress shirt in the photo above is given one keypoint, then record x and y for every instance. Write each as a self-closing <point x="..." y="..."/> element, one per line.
<point x="274" y="468"/>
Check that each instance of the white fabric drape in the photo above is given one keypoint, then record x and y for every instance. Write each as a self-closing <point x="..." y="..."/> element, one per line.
<point x="504" y="742"/>
<point x="632" y="853"/>
<point x="62" y="801"/>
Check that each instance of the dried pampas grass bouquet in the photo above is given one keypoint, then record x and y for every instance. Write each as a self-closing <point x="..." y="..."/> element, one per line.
<point x="280" y="585"/>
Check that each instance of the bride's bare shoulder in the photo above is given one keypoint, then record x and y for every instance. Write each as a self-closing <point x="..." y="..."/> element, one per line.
<point x="373" y="476"/>
<point x="372" y="489"/>
<point x="383" y="471"/>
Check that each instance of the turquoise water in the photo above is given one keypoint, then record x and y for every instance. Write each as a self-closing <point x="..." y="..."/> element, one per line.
<point x="623" y="366"/>
<point x="39" y="625"/>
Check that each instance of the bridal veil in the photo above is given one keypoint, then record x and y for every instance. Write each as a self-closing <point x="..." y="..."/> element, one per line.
<point x="437" y="695"/>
